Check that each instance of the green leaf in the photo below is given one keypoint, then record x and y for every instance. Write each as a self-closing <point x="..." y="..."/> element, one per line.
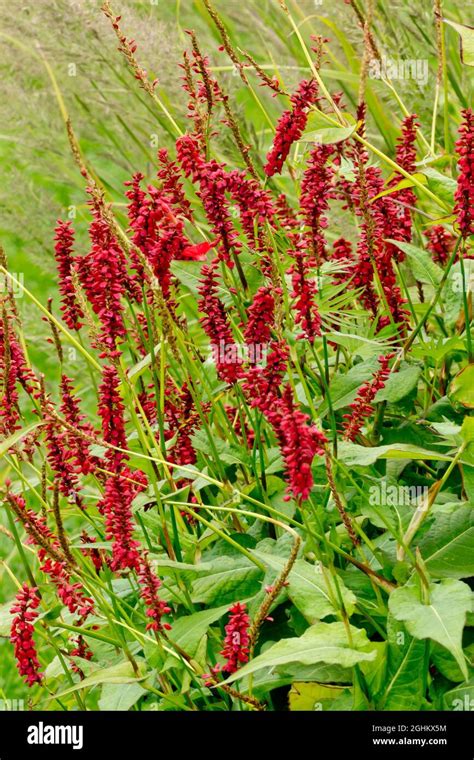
<point x="311" y="588"/>
<point x="461" y="389"/>
<point x="448" y="547"/>
<point x="120" y="696"/>
<point x="460" y="699"/>
<point x="344" y="387"/>
<point x="329" y="135"/>
<point x="323" y="642"/>
<point x="188" y="630"/>
<point x="399" y="385"/>
<point x="5" y="619"/>
<point x="227" y="579"/>
<point x="403" y="688"/>
<point x="466" y="42"/>
<point x="402" y="185"/>
<point x="442" y="620"/>
<point x="447" y="665"/>
<point x="353" y="454"/>
<point x="442" y="185"/>
<point x="122" y="673"/>
<point x="312" y="696"/>
<point x="422" y="266"/>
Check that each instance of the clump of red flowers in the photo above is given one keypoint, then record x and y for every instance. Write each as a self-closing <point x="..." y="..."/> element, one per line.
<point x="440" y="243"/>
<point x="464" y="195"/>
<point x="156" y="607"/>
<point x="21" y="634"/>
<point x="63" y="248"/>
<point x="291" y="125"/>
<point x="237" y="641"/>
<point x="216" y="325"/>
<point x="299" y="443"/>
<point x="362" y="406"/>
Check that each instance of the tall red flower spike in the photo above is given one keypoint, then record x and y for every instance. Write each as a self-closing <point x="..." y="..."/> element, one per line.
<point x="362" y="406"/>
<point x="237" y="641"/>
<point x="21" y="634"/>
<point x="291" y="126"/>
<point x="464" y="195"/>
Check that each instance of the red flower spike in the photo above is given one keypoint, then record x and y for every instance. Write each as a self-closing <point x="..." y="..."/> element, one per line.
<point x="291" y="126"/>
<point x="157" y="608"/>
<point x="464" y="195"/>
<point x="237" y="641"/>
<point x="64" y="237"/>
<point x="21" y="634"/>
<point x="440" y="243"/>
<point x="362" y="406"/>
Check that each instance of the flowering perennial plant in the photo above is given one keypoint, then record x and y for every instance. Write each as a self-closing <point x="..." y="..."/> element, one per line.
<point x="249" y="342"/>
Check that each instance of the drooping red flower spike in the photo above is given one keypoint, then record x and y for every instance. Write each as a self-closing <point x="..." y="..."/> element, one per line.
<point x="237" y="641"/>
<point x="103" y="277"/>
<point x="440" y="243"/>
<point x="291" y="126"/>
<point x="21" y="634"/>
<point x="111" y="411"/>
<point x="362" y="406"/>
<point x="149" y="587"/>
<point x="464" y="195"/>
<point x="299" y="443"/>
<point x="116" y="506"/>
<point x="63" y="249"/>
<point x="217" y="328"/>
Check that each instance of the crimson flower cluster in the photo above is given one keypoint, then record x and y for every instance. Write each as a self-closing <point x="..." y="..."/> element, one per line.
<point x="63" y="248"/>
<point x="291" y="126"/>
<point x="362" y="406"/>
<point x="464" y="195"/>
<point x="22" y="628"/>
<point x="156" y="607"/>
<point x="237" y="641"/>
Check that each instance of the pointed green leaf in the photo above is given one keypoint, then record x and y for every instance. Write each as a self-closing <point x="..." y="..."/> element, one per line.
<point x="323" y="642"/>
<point x="442" y="620"/>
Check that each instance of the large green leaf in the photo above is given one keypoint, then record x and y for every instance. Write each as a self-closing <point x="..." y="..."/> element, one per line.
<point x="442" y="620"/>
<point x="448" y="548"/>
<point x="227" y="579"/>
<point x="404" y="677"/>
<point x="188" y="630"/>
<point x="323" y="642"/>
<point x="118" y="697"/>
<point x="422" y="265"/>
<point x="353" y="454"/>
<point x="399" y="385"/>
<point x="460" y="699"/>
<point x="461" y="389"/>
<point x="466" y="41"/>
<point x="311" y="588"/>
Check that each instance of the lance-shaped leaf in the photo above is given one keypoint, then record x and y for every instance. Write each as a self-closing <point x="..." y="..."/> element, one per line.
<point x="311" y="588"/>
<point x="441" y="620"/>
<point x="323" y="642"/>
